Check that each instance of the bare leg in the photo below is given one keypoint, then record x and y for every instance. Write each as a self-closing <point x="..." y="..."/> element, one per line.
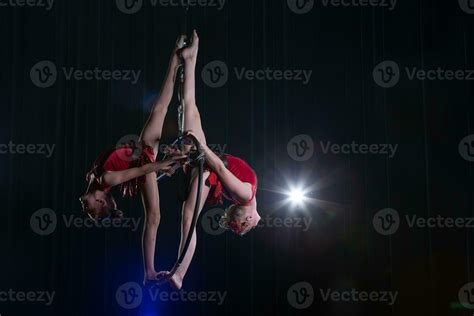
<point x="192" y="119"/>
<point x="192" y="122"/>
<point x="151" y="133"/>
<point x="151" y="204"/>
<point x="187" y="216"/>
<point x="150" y="136"/>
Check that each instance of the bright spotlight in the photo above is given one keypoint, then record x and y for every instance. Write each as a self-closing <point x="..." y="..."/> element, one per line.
<point x="296" y="196"/>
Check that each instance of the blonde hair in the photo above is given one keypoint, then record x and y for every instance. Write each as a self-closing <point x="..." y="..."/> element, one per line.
<point x="232" y="220"/>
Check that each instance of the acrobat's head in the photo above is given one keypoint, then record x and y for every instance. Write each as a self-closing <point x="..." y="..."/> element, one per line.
<point x="240" y="219"/>
<point x="98" y="204"/>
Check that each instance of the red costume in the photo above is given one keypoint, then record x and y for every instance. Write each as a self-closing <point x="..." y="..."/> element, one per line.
<point x="121" y="158"/>
<point x="238" y="168"/>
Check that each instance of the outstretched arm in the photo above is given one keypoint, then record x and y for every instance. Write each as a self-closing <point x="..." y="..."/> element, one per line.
<point x="239" y="190"/>
<point x="113" y="178"/>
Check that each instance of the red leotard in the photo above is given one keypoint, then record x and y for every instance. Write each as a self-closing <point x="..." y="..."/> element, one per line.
<point x="121" y="158"/>
<point x="238" y="168"/>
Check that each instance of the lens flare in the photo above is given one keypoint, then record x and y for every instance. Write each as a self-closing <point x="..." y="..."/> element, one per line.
<point x="296" y="196"/>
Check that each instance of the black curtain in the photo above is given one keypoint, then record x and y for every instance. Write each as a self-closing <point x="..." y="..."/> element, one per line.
<point x="301" y="77"/>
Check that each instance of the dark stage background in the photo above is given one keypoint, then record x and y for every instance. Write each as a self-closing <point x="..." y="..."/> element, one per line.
<point x="350" y="252"/>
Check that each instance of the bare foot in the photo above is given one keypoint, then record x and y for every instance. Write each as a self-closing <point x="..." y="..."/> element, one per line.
<point x="191" y="51"/>
<point x="150" y="278"/>
<point x="175" y="281"/>
<point x="181" y="41"/>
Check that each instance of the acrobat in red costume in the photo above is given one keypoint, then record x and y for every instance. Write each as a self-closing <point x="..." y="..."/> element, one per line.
<point x="225" y="177"/>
